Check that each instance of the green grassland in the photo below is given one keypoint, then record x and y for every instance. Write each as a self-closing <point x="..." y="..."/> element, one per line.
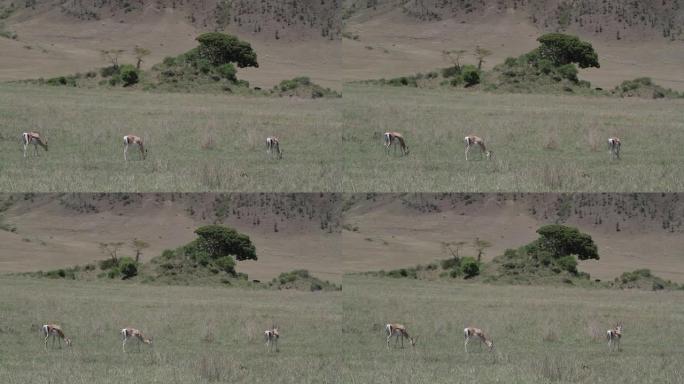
<point x="200" y="335"/>
<point x="541" y="143"/>
<point x="196" y="142"/>
<point x="541" y="334"/>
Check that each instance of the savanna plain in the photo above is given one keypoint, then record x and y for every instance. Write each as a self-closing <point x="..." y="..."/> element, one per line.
<point x="541" y="335"/>
<point x="200" y="334"/>
<point x="541" y="143"/>
<point x="195" y="142"/>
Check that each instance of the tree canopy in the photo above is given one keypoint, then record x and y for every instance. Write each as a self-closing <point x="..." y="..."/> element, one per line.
<point x="219" y="241"/>
<point x="220" y="48"/>
<point x="563" y="241"/>
<point x="564" y="49"/>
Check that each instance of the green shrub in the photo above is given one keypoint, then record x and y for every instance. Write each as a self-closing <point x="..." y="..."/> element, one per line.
<point x="128" y="267"/>
<point x="108" y="264"/>
<point x="226" y="264"/>
<point x="470" y="75"/>
<point x="109" y="71"/>
<point x="450" y="72"/>
<point x="470" y="267"/>
<point x="568" y="71"/>
<point x="227" y="71"/>
<point x="128" y="74"/>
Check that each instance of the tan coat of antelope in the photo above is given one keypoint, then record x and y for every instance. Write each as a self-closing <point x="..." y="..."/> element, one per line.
<point x="54" y="331"/>
<point x="614" y="335"/>
<point x="471" y="141"/>
<point x="394" y="139"/>
<point x="614" y="145"/>
<point x="398" y="331"/>
<point x="273" y="147"/>
<point x="271" y="336"/>
<point x="477" y="334"/>
<point x="29" y="138"/>
<point x="132" y="333"/>
<point x="134" y="141"/>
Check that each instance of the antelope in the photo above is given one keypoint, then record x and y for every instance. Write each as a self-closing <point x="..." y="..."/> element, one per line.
<point x="28" y="138"/>
<point x="394" y="139"/>
<point x="54" y="331"/>
<point x="271" y="336"/>
<point x="476" y="333"/>
<point x="273" y="146"/>
<point x="614" y="335"/>
<point x="132" y="140"/>
<point x="614" y="147"/>
<point x="471" y="141"/>
<point x="398" y="331"/>
<point x="130" y="333"/>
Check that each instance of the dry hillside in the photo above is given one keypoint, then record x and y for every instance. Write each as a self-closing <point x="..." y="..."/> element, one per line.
<point x="290" y="231"/>
<point x="330" y="234"/>
<point x="632" y="230"/>
<point x="293" y="38"/>
<point x="633" y="39"/>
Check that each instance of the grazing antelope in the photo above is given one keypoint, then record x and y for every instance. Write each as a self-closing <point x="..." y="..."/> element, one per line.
<point x="130" y="333"/>
<point x="54" y="331"/>
<point x="394" y="139"/>
<point x="476" y="333"/>
<point x="271" y="336"/>
<point x="132" y="140"/>
<point x="28" y="138"/>
<point x="398" y="331"/>
<point x="471" y="141"/>
<point x="273" y="147"/>
<point x="614" y="147"/>
<point x="614" y="335"/>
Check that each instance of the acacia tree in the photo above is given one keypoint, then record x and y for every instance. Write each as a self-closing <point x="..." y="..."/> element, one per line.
<point x="224" y="245"/>
<point x="138" y="246"/>
<point x="220" y="48"/>
<point x="562" y="49"/>
<point x="112" y="56"/>
<point x="480" y="55"/>
<point x="454" y="56"/>
<point x="563" y="241"/>
<point x="111" y="249"/>
<point x="480" y="246"/>
<point x="139" y="53"/>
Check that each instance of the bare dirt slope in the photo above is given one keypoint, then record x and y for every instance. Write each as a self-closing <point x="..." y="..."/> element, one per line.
<point x="58" y="39"/>
<point x="399" y="37"/>
<point x="54" y="231"/>
<point x="391" y="231"/>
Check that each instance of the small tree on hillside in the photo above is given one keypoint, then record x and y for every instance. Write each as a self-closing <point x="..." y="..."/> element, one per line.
<point x="139" y="53"/>
<point x="454" y="57"/>
<point x="138" y="246"/>
<point x="112" y="56"/>
<point x="111" y="250"/>
<point x="480" y="246"/>
<point x="454" y="247"/>
<point x="564" y="49"/>
<point x="219" y="241"/>
<point x="220" y="48"/>
<point x="480" y="55"/>
<point x="563" y="241"/>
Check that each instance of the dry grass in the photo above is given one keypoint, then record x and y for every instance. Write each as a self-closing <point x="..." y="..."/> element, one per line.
<point x="195" y="142"/>
<point x="543" y="143"/>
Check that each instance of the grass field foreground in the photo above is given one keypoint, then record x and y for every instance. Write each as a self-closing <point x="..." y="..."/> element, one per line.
<point x="196" y="142"/>
<point x="541" y="143"/>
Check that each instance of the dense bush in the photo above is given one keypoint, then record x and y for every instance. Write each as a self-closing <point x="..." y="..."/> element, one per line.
<point x="470" y="267"/>
<point x="227" y="71"/>
<point x="128" y="74"/>
<point x="470" y="75"/>
<point x="127" y="268"/>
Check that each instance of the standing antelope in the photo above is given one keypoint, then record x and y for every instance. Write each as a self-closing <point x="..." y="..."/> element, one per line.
<point x="614" y="335"/>
<point x="398" y="331"/>
<point x="271" y="336"/>
<point x="394" y="139"/>
<point x="273" y="146"/>
<point x="132" y="140"/>
<point x="614" y="147"/>
<point x="472" y="140"/>
<point x="129" y="333"/>
<point x="54" y="331"/>
<point x="34" y="138"/>
<point x="476" y="333"/>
